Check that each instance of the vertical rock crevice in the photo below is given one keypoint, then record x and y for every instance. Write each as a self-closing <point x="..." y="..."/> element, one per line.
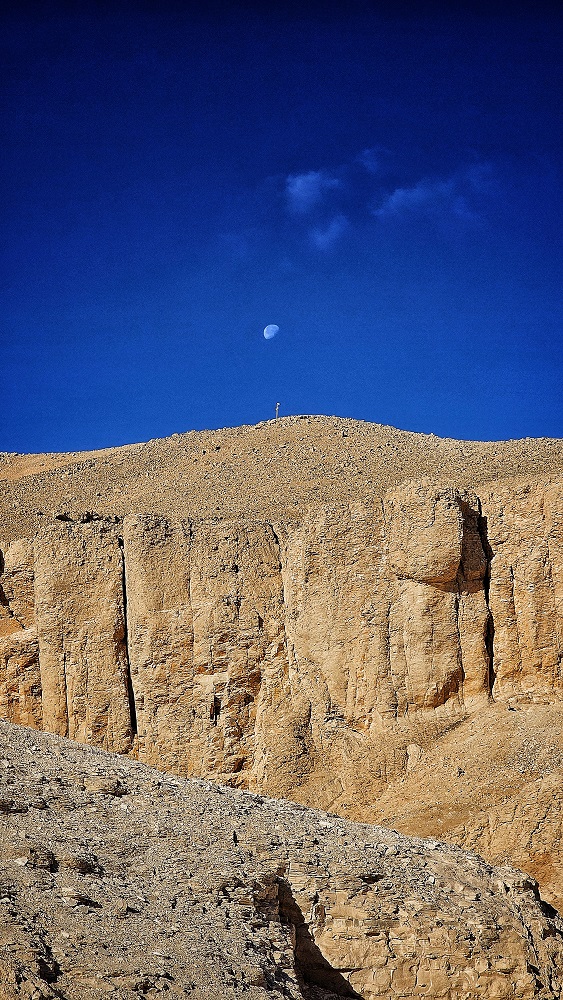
<point x="457" y="600"/>
<point x="129" y="681"/>
<point x="4" y="602"/>
<point x="489" y="636"/>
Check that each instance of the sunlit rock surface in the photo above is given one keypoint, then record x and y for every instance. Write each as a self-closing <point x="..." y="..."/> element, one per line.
<point x="327" y="639"/>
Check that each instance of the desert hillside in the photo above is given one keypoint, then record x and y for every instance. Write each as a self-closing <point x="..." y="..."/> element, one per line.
<point x="118" y="880"/>
<point x="337" y="613"/>
<point x="273" y="468"/>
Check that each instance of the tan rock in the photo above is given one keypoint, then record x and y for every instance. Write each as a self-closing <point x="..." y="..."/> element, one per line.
<point x="160" y="638"/>
<point x="17" y="602"/>
<point x="426" y="529"/>
<point x="20" y="679"/>
<point x="81" y="631"/>
<point x="526" y="591"/>
<point x="297" y="613"/>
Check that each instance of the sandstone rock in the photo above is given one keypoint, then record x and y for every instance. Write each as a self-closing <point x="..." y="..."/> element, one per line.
<point x="526" y="591"/>
<point x="20" y="678"/>
<point x="160" y="636"/>
<point x="426" y="534"/>
<point x="503" y="801"/>
<point x="415" y="754"/>
<point x="84" y="864"/>
<point x="104" y="784"/>
<point x="17" y="603"/>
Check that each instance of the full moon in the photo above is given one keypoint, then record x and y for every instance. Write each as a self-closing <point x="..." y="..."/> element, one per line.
<point x="270" y="331"/>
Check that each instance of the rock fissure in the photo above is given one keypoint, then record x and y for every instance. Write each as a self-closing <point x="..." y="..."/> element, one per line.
<point x="489" y="635"/>
<point x="458" y="630"/>
<point x="65" y="687"/>
<point x="128" y="677"/>
<point x="311" y="966"/>
<point x="515" y="614"/>
<point x="4" y="603"/>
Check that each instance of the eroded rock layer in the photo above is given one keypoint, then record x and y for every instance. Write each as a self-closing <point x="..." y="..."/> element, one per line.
<point x="119" y="880"/>
<point x="239" y="648"/>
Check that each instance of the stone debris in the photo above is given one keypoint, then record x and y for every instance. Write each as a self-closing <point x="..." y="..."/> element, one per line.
<point x="276" y="469"/>
<point x="159" y="900"/>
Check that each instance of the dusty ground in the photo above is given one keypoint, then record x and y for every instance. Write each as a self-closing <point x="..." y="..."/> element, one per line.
<point x="492" y="784"/>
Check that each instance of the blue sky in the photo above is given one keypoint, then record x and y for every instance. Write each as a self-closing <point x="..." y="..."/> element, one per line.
<point x="383" y="186"/>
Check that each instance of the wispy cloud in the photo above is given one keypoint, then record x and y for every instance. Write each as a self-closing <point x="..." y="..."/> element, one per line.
<point x="435" y="197"/>
<point x="324" y="237"/>
<point x="304" y="192"/>
<point x="370" y="159"/>
<point x="349" y="196"/>
<point x="421" y="197"/>
<point x="363" y="199"/>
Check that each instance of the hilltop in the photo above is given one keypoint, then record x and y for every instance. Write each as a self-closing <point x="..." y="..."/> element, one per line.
<point x="272" y="469"/>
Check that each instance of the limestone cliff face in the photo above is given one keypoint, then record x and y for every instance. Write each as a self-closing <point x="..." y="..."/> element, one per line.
<point x="79" y="607"/>
<point x="259" y="653"/>
<point x="323" y="659"/>
<point x="20" y="684"/>
<point x="525" y="530"/>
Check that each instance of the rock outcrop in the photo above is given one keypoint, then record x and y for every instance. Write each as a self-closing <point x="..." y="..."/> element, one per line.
<point x="119" y="880"/>
<point x="322" y="656"/>
<point x="229" y="648"/>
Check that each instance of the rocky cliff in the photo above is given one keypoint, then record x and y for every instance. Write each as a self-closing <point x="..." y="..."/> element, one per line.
<point x="324" y="654"/>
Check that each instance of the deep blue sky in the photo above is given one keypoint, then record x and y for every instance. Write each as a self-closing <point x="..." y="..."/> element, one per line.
<point x="386" y="187"/>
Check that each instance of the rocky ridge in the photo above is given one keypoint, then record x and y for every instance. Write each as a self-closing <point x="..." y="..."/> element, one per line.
<point x="277" y="468"/>
<point x="116" y="879"/>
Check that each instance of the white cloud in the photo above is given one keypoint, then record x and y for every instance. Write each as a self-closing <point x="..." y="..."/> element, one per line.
<point x="324" y="237"/>
<point x="325" y="204"/>
<point x="450" y="197"/>
<point x="423" y="198"/>
<point x="305" y="191"/>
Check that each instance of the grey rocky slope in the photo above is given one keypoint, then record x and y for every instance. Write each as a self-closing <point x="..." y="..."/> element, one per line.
<point x="117" y="880"/>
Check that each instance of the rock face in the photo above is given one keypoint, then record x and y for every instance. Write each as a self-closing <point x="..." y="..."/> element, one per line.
<point x="526" y="590"/>
<point x="119" y="880"/>
<point x="80" y="622"/>
<point x="233" y="649"/>
<point x="323" y="656"/>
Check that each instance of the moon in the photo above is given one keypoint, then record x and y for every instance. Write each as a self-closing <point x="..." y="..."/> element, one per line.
<point x="270" y="331"/>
